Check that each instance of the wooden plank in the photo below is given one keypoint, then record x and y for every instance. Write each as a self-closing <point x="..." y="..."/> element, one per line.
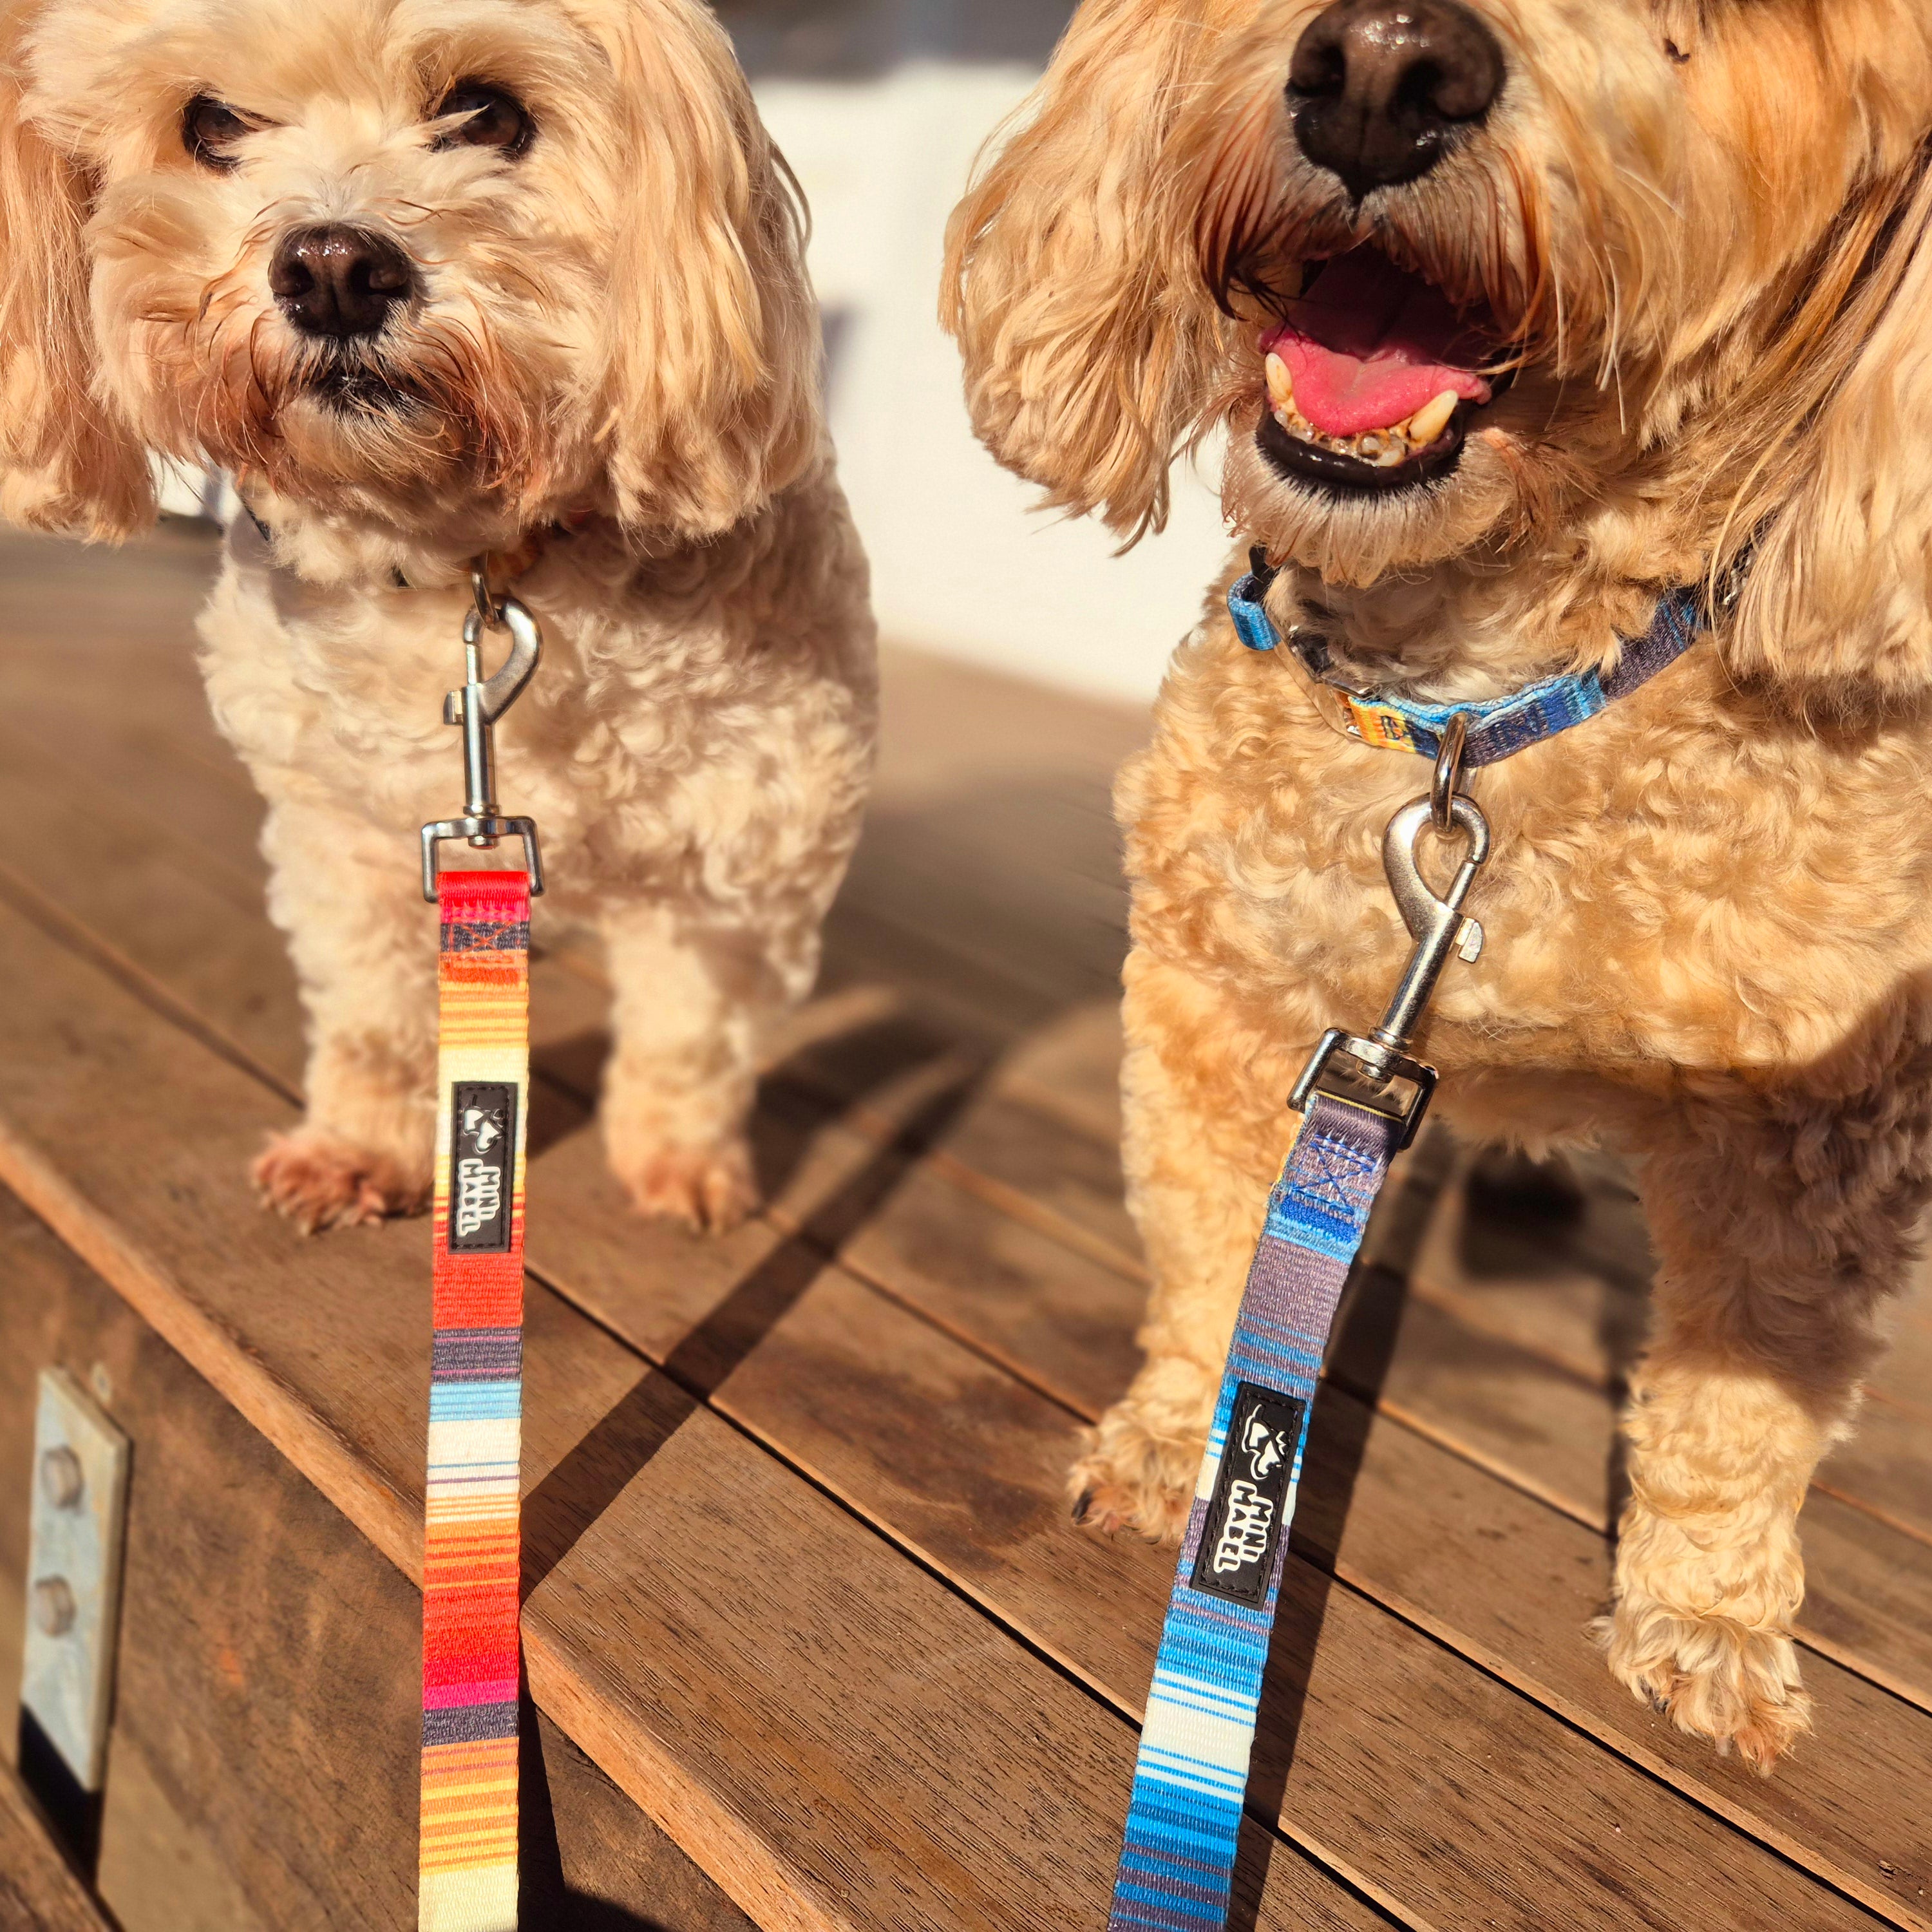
<point x="1419" y="1547"/>
<point x="1059" y="1310"/>
<point x="323" y="1345"/>
<point x="90" y="1123"/>
<point x="1824" y="1803"/>
<point x="160" y="1874"/>
<point x="593" y="1862"/>
<point x="248" y="1592"/>
<point x="865" y="1389"/>
<point x="38" y="1890"/>
<point x="834" y="1680"/>
<point x="964" y="1465"/>
<point x="992" y="816"/>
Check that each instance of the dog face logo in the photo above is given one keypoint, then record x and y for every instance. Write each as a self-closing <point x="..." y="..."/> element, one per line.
<point x="1248" y="1512"/>
<point x="481" y="1152"/>
<point x="1267" y="1448"/>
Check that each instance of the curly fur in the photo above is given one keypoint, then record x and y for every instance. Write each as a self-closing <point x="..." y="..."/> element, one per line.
<point x="607" y="377"/>
<point x="1705" y="232"/>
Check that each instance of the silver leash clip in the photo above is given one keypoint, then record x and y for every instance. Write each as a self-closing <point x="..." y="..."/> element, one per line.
<point x="1439" y="928"/>
<point x="475" y="705"/>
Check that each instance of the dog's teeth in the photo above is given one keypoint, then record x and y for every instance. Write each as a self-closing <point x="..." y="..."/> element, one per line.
<point x="1280" y="385"/>
<point x="1433" y="418"/>
<point x="1369" y="447"/>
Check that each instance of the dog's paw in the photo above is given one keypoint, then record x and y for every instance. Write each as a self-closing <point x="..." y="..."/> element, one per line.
<point x="710" y="1190"/>
<point x="1712" y="1676"/>
<point x="1136" y="1476"/>
<point x="320" y="1181"/>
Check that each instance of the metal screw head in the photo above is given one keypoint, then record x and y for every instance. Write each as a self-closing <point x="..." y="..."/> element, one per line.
<point x="62" y="1480"/>
<point x="53" y="1607"/>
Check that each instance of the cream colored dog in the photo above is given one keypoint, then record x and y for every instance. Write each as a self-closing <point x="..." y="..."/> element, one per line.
<point x="436" y="278"/>
<point x="1516" y="313"/>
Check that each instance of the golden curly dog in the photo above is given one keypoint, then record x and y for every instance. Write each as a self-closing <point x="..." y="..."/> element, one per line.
<point x="1516" y="313"/>
<point x="435" y="278"/>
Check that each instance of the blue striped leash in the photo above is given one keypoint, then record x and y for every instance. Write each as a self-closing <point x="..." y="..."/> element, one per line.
<point x="1184" y="1818"/>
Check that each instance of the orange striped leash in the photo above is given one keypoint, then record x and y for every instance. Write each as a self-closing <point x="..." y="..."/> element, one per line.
<point x="471" y="1530"/>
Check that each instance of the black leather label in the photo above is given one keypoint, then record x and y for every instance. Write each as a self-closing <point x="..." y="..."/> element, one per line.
<point x="1248" y="1510"/>
<point x="482" y="1158"/>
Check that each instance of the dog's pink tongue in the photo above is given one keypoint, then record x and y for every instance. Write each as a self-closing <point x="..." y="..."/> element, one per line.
<point x="1369" y="344"/>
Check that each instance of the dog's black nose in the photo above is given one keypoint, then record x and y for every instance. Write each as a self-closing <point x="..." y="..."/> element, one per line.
<point x="334" y="281"/>
<point x="1377" y="89"/>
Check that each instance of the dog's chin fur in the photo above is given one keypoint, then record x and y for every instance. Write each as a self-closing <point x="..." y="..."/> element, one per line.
<point x="1703" y="239"/>
<point x="604" y="375"/>
<point x="1362" y="538"/>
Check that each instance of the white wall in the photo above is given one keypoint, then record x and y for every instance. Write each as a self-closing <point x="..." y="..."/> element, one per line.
<point x="960" y="563"/>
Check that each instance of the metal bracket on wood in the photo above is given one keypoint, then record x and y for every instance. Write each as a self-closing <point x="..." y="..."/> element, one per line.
<point x="73" y="1607"/>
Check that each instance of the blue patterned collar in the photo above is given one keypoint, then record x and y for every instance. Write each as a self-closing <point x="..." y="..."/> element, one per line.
<point x="1496" y="726"/>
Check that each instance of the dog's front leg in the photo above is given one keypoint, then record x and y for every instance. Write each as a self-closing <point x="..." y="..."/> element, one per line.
<point x="1203" y="1138"/>
<point x="693" y="993"/>
<point x="364" y="948"/>
<point x="1777" y="1242"/>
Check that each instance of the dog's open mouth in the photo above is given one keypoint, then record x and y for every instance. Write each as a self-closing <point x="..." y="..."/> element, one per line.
<point x="1372" y="377"/>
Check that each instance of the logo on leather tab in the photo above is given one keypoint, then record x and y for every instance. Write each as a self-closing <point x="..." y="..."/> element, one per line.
<point x="1248" y="1513"/>
<point x="482" y="1157"/>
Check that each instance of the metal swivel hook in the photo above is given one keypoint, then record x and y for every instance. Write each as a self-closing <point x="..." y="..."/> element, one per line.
<point x="475" y="705"/>
<point x="1438" y="927"/>
<point x="1435" y="925"/>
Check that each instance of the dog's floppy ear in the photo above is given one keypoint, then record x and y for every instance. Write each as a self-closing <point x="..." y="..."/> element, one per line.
<point x="711" y="388"/>
<point x="1838" y="600"/>
<point x="66" y="462"/>
<point x="1086" y="348"/>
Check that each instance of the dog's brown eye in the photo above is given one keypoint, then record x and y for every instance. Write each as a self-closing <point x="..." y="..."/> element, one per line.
<point x="210" y="128"/>
<point x="496" y="118"/>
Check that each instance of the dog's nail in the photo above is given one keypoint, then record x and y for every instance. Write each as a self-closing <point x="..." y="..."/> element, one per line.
<point x="1083" y="1505"/>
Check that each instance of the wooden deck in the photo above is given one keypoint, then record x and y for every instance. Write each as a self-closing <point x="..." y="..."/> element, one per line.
<point x="801" y="1581"/>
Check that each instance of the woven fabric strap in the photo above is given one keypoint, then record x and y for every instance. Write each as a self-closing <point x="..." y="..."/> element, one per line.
<point x="1496" y="726"/>
<point x="470" y="1528"/>
<point x="1183" y="1819"/>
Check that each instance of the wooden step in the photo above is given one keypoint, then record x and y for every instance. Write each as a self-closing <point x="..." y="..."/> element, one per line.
<point x="264" y="1740"/>
<point x="897" y="1357"/>
<point x="698" y="1306"/>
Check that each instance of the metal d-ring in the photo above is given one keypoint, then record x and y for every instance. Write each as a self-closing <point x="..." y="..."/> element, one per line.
<point x="1447" y="780"/>
<point x="489" y="612"/>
